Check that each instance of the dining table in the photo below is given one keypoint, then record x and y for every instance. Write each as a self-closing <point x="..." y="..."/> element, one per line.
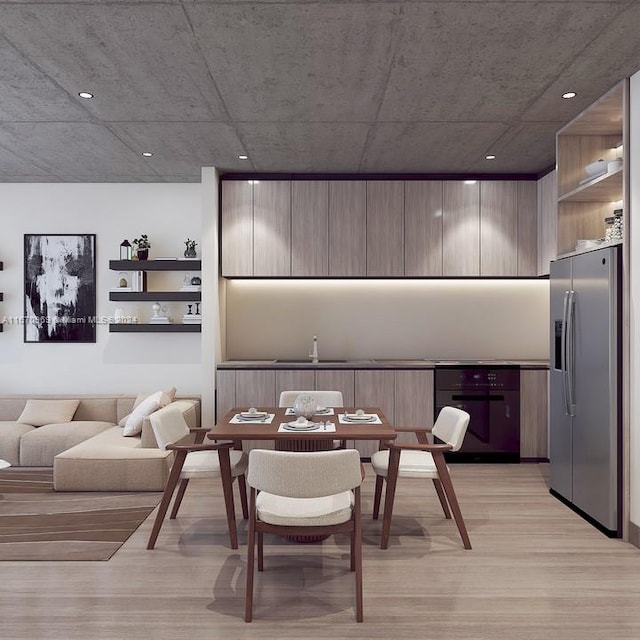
<point x="270" y="424"/>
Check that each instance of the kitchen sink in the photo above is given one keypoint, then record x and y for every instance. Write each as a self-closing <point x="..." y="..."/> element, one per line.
<point x="308" y="361"/>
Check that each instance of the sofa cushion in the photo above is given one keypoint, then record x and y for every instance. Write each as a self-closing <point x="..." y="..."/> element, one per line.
<point x="10" y="434"/>
<point x="166" y="397"/>
<point x="39" y="447"/>
<point x="41" y="412"/>
<point x="133" y="425"/>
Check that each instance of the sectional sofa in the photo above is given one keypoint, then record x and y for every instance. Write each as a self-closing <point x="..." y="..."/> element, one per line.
<point x="89" y="452"/>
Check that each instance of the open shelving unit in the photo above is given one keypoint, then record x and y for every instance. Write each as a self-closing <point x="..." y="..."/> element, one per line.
<point x="150" y="296"/>
<point x="599" y="132"/>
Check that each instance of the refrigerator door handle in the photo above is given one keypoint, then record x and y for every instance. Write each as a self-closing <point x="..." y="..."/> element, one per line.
<point x="563" y="353"/>
<point x="571" y="360"/>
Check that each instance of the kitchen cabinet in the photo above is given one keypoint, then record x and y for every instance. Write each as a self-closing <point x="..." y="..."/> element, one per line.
<point x="413" y="401"/>
<point x="527" y="243"/>
<point x="598" y="133"/>
<point x="337" y="380"/>
<point x="460" y="229"/>
<point x="236" y="237"/>
<point x="309" y="228"/>
<point x="292" y="379"/>
<point x="547" y="232"/>
<point x="347" y="224"/>
<point x="498" y="228"/>
<point x="272" y="228"/>
<point x="423" y="227"/>
<point x="385" y="228"/>
<point x="534" y="414"/>
<point x="374" y="388"/>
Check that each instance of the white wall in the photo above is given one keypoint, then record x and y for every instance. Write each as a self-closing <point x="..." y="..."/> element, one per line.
<point x="168" y="214"/>
<point x="388" y="319"/>
<point x="633" y="234"/>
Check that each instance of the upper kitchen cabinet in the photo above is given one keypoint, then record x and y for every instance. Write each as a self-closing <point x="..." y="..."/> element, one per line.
<point x="527" y="228"/>
<point x="423" y="227"/>
<point x="461" y="228"/>
<point x="347" y="225"/>
<point x="591" y="169"/>
<point x="547" y="188"/>
<point x="272" y="228"/>
<point x="498" y="228"/>
<point x="385" y="228"/>
<point x="237" y="228"/>
<point x="309" y="228"/>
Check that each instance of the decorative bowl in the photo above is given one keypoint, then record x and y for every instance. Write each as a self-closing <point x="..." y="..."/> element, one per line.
<point x="305" y="406"/>
<point x="596" y="168"/>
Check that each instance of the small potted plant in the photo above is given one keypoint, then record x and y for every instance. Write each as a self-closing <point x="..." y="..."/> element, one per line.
<point x="142" y="245"/>
<point x="190" y="251"/>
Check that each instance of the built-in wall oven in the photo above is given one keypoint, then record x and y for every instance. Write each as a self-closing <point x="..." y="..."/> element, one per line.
<point x="491" y="395"/>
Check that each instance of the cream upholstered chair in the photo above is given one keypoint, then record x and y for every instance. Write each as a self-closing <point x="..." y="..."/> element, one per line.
<point x="302" y="493"/>
<point x="422" y="460"/>
<point x="196" y="459"/>
<point x="323" y="398"/>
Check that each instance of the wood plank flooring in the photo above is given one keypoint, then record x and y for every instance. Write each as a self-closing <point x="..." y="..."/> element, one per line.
<point x="536" y="571"/>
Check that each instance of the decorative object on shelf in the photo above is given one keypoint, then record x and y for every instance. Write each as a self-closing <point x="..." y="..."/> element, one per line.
<point x="60" y="287"/>
<point x="156" y="318"/>
<point x="196" y="281"/>
<point x="142" y="246"/>
<point x="615" y="227"/>
<point x="190" y="251"/>
<point x="614" y="165"/>
<point x="125" y="250"/>
<point x="305" y="406"/>
<point x="123" y="280"/>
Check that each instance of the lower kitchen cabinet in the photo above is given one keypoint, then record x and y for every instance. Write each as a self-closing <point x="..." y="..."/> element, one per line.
<point x="337" y="380"/>
<point x="374" y="388"/>
<point x="533" y="414"/>
<point x="413" y="401"/>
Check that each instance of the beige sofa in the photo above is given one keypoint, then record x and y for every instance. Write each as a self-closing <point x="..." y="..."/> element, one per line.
<point x="89" y="453"/>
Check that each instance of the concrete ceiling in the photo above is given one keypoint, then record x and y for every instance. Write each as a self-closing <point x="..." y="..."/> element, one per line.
<point x="300" y="86"/>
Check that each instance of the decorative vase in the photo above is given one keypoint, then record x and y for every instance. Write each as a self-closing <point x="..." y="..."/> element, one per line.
<point x="190" y="252"/>
<point x="305" y="405"/>
<point x="143" y="254"/>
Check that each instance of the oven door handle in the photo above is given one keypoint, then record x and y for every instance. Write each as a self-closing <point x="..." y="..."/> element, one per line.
<point x="463" y="396"/>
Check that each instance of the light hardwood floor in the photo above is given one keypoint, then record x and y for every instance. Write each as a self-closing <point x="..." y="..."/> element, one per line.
<point x="536" y="571"/>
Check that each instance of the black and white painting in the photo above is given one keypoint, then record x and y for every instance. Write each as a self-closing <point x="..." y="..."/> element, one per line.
<point x="60" y="288"/>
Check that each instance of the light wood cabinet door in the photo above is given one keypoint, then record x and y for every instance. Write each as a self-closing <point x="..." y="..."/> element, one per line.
<point x="547" y="221"/>
<point x="236" y="228"/>
<point x="498" y="228"/>
<point x="256" y="388"/>
<point x="294" y="380"/>
<point x="423" y="228"/>
<point x="225" y="392"/>
<point x="374" y="388"/>
<point x="413" y="401"/>
<point x="527" y="228"/>
<point x="385" y="228"/>
<point x="534" y="418"/>
<point x="309" y="228"/>
<point x="347" y="226"/>
<point x="337" y="380"/>
<point x="272" y="228"/>
<point x="460" y="229"/>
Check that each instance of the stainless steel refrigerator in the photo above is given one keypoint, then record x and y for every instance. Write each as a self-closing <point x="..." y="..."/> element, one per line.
<point x="585" y="385"/>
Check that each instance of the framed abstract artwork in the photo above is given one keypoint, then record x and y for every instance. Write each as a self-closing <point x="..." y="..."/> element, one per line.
<point x="60" y="288"/>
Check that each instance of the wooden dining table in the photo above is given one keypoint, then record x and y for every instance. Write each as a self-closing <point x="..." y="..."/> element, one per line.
<point x="239" y="432"/>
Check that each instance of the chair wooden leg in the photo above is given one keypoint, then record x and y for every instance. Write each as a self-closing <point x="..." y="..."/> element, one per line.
<point x="443" y="499"/>
<point x="392" y="478"/>
<point x="376" y="497"/>
<point x="174" y="476"/>
<point x="447" y="485"/>
<point x="260" y="551"/>
<point x="357" y="553"/>
<point x="242" y="488"/>
<point x="227" y="490"/>
<point x="248" y="594"/>
<point x="178" y="501"/>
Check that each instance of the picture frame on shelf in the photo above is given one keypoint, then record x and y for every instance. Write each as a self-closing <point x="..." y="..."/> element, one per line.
<point x="60" y="287"/>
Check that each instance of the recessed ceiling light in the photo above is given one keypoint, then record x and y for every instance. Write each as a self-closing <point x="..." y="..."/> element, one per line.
<point x="469" y="181"/>
<point x="243" y="157"/>
<point x="86" y="95"/>
<point x="490" y="157"/>
<point x="569" y="94"/>
<point x="147" y="154"/>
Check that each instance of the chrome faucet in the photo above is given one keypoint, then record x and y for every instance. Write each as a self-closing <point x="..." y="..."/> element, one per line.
<point x="314" y="353"/>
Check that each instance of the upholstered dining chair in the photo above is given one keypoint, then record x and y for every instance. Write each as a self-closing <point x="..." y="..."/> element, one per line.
<point x="422" y="460"/>
<point x="328" y="399"/>
<point x="197" y="460"/>
<point x="304" y="493"/>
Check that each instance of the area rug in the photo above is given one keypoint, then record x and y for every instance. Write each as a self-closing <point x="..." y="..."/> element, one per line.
<point x="38" y="523"/>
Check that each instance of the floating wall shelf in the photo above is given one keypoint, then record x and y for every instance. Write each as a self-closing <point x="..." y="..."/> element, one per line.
<point x="155" y="328"/>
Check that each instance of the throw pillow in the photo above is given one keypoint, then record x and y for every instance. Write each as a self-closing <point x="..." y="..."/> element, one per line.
<point x="166" y="398"/>
<point x="40" y="412"/>
<point x="133" y="425"/>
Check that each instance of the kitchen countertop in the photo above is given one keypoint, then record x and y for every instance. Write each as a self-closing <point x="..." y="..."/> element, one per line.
<point x="378" y="364"/>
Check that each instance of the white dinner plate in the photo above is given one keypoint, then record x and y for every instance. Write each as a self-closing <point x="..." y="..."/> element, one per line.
<point x="296" y="426"/>
<point x="248" y="415"/>
<point x="359" y="417"/>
